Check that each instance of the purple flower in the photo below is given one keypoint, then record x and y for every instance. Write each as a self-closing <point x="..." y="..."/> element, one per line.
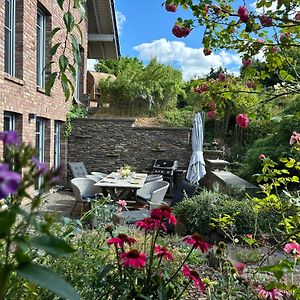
<point x="9" y="137"/>
<point x="43" y="169"/>
<point x="9" y="181"/>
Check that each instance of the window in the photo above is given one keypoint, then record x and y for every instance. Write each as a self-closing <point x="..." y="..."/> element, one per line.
<point x="9" y="28"/>
<point x="57" y="128"/>
<point x="40" y="145"/>
<point x="9" y="121"/>
<point x="41" y="49"/>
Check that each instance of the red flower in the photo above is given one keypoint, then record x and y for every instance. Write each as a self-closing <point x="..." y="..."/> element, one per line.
<point x="163" y="252"/>
<point x="164" y="212"/>
<point x="242" y="120"/>
<point x="212" y="105"/>
<point x="211" y="114"/>
<point x="143" y="224"/>
<point x="121" y="239"/>
<point x="151" y="224"/>
<point x="171" y="7"/>
<point x="197" y="242"/>
<point x="274" y="49"/>
<point x="272" y="294"/>
<point x="240" y="267"/>
<point x="243" y="14"/>
<point x="194" y="276"/>
<point x="133" y="258"/>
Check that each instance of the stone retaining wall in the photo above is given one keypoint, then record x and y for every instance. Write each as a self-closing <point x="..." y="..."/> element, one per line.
<point x="107" y="144"/>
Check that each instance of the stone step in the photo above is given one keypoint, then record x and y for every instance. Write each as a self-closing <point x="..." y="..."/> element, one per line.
<point x="231" y="181"/>
<point x="216" y="164"/>
<point x="213" y="154"/>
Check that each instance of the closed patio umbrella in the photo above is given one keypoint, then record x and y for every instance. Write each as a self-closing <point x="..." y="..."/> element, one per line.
<point x="196" y="169"/>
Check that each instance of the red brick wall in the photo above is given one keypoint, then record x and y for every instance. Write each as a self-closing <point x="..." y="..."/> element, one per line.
<point x="19" y="94"/>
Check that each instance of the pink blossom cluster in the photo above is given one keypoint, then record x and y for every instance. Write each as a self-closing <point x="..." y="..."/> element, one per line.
<point x="292" y="248"/>
<point x="207" y="51"/>
<point x="285" y="37"/>
<point x="247" y="61"/>
<point x="266" y="21"/>
<point x="243" y="14"/>
<point x="180" y="31"/>
<point x="171" y="7"/>
<point x="242" y="120"/>
<point x="201" y="89"/>
<point x="251" y="84"/>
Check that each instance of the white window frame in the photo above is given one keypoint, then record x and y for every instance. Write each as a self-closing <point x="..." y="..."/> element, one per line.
<point x="40" y="48"/>
<point x="10" y="27"/>
<point x="40" y="145"/>
<point x="77" y="81"/>
<point x="57" y="144"/>
<point x="11" y="121"/>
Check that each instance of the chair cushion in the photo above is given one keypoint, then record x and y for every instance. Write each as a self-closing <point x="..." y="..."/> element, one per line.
<point x="77" y="169"/>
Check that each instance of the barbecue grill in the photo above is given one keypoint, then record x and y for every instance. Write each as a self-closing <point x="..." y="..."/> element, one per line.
<point x="166" y="168"/>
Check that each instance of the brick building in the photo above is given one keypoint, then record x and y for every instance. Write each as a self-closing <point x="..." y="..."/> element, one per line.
<point x="25" y="27"/>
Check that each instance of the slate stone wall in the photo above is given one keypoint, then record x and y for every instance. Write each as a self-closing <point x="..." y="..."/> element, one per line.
<point x="105" y="145"/>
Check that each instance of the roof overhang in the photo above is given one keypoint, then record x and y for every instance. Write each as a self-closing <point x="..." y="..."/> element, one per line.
<point x="103" y="39"/>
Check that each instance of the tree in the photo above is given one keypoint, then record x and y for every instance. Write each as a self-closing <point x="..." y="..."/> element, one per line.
<point x="272" y="29"/>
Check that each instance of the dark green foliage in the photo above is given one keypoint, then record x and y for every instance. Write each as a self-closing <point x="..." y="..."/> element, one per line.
<point x="276" y="143"/>
<point x="197" y="213"/>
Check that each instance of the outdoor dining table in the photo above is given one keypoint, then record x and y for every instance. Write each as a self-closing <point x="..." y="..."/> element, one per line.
<point x="118" y="186"/>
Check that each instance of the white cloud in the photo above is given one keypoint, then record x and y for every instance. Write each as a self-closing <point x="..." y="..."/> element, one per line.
<point x="121" y="19"/>
<point x="90" y="64"/>
<point x="264" y="9"/>
<point x="191" y="61"/>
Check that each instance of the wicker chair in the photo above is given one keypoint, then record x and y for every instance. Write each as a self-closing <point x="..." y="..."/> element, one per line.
<point x="153" y="177"/>
<point x="85" y="192"/>
<point x="153" y="192"/>
<point x="95" y="178"/>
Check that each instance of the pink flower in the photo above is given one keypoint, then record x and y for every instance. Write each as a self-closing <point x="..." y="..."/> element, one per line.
<point x="221" y="76"/>
<point x="262" y="156"/>
<point x="212" y="105"/>
<point x="193" y="276"/>
<point x="274" y="49"/>
<point x="180" y="31"/>
<point x="201" y="89"/>
<point x="120" y="240"/>
<point x="266" y="21"/>
<point x="211" y="114"/>
<point x="240" y="267"/>
<point x="242" y="120"/>
<point x="285" y="37"/>
<point x="207" y="51"/>
<point x="247" y="61"/>
<point x="171" y="7"/>
<point x="292" y="248"/>
<point x="249" y="236"/>
<point x="250" y="84"/>
<point x="243" y="14"/>
<point x="9" y="181"/>
<point x="217" y="9"/>
<point x="297" y="16"/>
<point x="122" y="203"/>
<point x="272" y="294"/>
<point x="164" y="212"/>
<point x="206" y="7"/>
<point x="133" y="258"/>
<point x="295" y="138"/>
<point x="163" y="252"/>
<point x="197" y="242"/>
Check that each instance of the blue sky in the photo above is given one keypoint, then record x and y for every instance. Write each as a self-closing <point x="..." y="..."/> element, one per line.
<point x="145" y="32"/>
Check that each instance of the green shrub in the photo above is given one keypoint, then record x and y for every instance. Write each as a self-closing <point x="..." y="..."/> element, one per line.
<point x="197" y="213"/>
<point x="276" y="143"/>
<point x="178" y="118"/>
